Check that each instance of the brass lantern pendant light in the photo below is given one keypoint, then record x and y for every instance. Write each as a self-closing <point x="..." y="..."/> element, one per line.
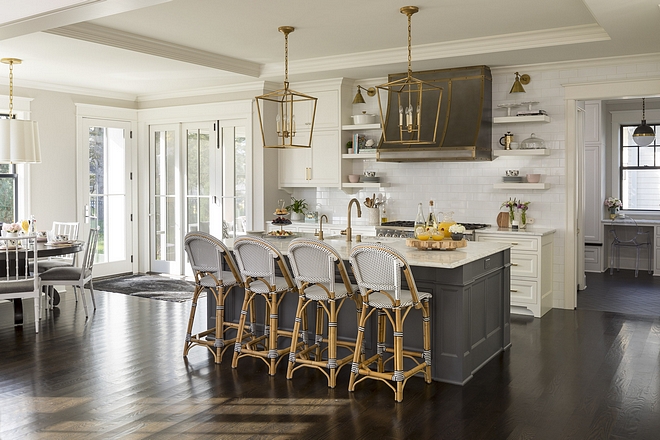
<point x="283" y="104"/>
<point x="418" y="104"/>
<point x="644" y="134"/>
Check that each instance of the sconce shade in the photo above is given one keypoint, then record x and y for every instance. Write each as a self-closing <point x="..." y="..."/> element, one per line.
<point x="518" y="83"/>
<point x="19" y="141"/>
<point x="359" y="99"/>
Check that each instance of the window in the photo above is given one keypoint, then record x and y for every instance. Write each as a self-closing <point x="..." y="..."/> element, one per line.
<point x="8" y="193"/>
<point x="639" y="171"/>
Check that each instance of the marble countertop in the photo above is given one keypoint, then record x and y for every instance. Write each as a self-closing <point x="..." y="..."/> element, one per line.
<point x="529" y="230"/>
<point x="443" y="259"/>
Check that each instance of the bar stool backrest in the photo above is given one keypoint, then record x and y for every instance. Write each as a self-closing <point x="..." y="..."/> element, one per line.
<point x="256" y="258"/>
<point x="206" y="254"/>
<point x="314" y="261"/>
<point x="378" y="268"/>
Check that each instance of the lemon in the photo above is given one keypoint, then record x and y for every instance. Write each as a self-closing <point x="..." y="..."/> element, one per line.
<point x="25" y="225"/>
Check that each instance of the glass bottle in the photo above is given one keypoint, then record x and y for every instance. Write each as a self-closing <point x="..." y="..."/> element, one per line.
<point x="420" y="222"/>
<point x="431" y="222"/>
<point x="383" y="216"/>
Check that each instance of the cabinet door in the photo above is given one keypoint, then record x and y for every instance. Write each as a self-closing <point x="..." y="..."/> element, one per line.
<point x="325" y="163"/>
<point x="294" y="164"/>
<point x="327" y="111"/>
<point x="593" y="229"/>
<point x="592" y="121"/>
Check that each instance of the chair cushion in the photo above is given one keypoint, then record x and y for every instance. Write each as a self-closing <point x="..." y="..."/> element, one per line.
<point x="16" y="286"/>
<point x="380" y="301"/>
<point x="61" y="274"/>
<point x="49" y="264"/>
<point x="316" y="293"/>
<point x="257" y="286"/>
<point x="227" y="279"/>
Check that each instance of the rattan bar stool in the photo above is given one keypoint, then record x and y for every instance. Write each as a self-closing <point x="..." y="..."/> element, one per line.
<point x="257" y="259"/>
<point x="207" y="254"/>
<point x="313" y="263"/>
<point x="377" y="270"/>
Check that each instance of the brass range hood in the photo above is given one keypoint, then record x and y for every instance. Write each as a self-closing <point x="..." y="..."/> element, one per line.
<point x="465" y="121"/>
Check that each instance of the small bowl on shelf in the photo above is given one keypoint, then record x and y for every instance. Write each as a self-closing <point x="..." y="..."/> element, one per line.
<point x="354" y="178"/>
<point x="533" y="178"/>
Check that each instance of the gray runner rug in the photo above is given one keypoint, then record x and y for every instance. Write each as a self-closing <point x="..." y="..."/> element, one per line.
<point x="149" y="286"/>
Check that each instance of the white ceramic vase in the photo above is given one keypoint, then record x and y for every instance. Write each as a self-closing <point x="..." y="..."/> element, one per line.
<point x="297" y="217"/>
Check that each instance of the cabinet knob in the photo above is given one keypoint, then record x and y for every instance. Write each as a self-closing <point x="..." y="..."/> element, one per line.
<point x="514" y="264"/>
<point x="513" y="290"/>
<point x="514" y="243"/>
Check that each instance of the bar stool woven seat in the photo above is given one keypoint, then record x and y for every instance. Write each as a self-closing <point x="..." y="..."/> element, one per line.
<point x="207" y="254"/>
<point x="377" y="269"/>
<point x="313" y="263"/>
<point x="256" y="259"/>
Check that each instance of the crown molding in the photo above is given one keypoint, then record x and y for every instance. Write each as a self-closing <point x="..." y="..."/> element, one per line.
<point x="580" y="64"/>
<point x="73" y="90"/>
<point x="138" y="43"/>
<point x="257" y="87"/>
<point x="473" y="46"/>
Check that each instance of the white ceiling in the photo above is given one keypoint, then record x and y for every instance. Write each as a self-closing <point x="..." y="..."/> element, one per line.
<point x="136" y="48"/>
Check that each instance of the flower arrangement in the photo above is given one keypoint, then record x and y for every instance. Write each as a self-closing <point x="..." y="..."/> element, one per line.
<point x="457" y="228"/>
<point x="518" y="206"/>
<point x="11" y="227"/>
<point x="613" y="202"/>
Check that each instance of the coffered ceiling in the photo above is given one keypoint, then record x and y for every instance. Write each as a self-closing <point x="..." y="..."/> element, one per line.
<point x="136" y="48"/>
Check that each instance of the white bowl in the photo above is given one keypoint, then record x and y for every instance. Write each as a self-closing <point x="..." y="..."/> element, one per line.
<point x="354" y="178"/>
<point x="363" y="119"/>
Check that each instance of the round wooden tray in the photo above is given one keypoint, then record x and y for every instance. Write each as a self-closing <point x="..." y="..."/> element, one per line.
<point x="442" y="245"/>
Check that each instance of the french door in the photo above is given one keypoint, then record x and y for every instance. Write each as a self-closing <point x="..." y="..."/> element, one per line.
<point x="198" y="183"/>
<point x="107" y="191"/>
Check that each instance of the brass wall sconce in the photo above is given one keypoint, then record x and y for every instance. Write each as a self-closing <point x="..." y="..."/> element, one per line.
<point x="359" y="99"/>
<point x="519" y="82"/>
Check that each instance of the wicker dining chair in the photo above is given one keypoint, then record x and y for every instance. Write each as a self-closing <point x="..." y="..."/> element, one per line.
<point x="377" y="269"/>
<point x="313" y="263"/>
<point x="257" y="259"/>
<point x="206" y="255"/>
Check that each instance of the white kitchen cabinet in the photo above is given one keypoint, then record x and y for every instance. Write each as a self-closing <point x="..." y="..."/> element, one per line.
<point x="592" y="126"/>
<point x="327" y="111"/>
<point x="531" y="268"/>
<point x="593" y="193"/>
<point x="316" y="166"/>
<point x="594" y="260"/>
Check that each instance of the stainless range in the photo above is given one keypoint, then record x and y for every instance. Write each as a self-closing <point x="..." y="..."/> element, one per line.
<point x="405" y="229"/>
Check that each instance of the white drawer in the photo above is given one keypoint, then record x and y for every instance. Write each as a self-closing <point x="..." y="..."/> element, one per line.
<point x="517" y="243"/>
<point x="524" y="265"/>
<point x="524" y="292"/>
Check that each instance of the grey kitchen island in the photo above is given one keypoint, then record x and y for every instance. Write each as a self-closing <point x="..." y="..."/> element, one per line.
<point x="470" y="316"/>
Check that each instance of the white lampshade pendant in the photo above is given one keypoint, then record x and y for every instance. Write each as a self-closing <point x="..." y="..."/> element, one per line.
<point x="644" y="134"/>
<point x="19" y="139"/>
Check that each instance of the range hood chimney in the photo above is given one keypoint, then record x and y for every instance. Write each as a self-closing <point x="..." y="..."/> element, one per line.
<point x="465" y="124"/>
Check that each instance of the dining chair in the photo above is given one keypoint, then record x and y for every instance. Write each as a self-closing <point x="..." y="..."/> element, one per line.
<point x="314" y="263"/>
<point x="257" y="259"/>
<point x="17" y="281"/>
<point x="58" y="228"/>
<point x="207" y="256"/>
<point x="75" y="276"/>
<point x="377" y="269"/>
<point x="627" y="234"/>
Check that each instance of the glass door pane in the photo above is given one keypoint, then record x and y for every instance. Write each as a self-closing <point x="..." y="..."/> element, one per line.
<point x="165" y="211"/>
<point x="109" y="194"/>
<point x="198" y="179"/>
<point x="234" y="181"/>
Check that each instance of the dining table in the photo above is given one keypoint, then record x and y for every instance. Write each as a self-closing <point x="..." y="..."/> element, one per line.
<point x="44" y="249"/>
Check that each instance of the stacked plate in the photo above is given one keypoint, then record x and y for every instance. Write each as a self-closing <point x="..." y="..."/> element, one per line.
<point x="372" y="179"/>
<point x="512" y="179"/>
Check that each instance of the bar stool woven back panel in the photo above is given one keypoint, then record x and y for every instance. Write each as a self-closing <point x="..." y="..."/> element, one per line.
<point x="377" y="269"/>
<point x="314" y="264"/>
<point x="207" y="256"/>
<point x="257" y="259"/>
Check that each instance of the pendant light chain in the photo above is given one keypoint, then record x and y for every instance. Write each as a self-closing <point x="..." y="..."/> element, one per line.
<point x="286" y="60"/>
<point x="644" y="109"/>
<point x="11" y="90"/>
<point x="409" y="45"/>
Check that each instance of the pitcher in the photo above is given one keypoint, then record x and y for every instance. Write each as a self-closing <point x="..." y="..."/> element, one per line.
<point x="447" y="221"/>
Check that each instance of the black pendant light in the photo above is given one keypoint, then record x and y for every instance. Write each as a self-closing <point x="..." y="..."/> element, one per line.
<point x="644" y="134"/>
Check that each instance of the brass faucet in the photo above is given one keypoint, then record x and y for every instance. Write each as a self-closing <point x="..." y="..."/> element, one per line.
<point x="321" y="226"/>
<point x="349" y="230"/>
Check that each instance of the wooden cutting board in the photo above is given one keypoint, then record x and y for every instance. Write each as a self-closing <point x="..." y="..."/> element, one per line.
<point x="442" y="245"/>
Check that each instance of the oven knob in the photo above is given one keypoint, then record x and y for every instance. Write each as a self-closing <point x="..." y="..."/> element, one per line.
<point x="387" y="235"/>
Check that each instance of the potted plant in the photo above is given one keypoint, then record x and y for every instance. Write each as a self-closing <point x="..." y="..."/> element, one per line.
<point x="297" y="208"/>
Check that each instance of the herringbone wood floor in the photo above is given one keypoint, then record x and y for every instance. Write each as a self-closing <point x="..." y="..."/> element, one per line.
<point x="573" y="374"/>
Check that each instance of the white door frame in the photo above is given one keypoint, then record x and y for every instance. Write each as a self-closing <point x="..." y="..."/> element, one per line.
<point x="110" y="114"/>
<point x="572" y="94"/>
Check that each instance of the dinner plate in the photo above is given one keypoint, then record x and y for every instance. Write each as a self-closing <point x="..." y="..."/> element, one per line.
<point x="59" y="243"/>
<point x="10" y="248"/>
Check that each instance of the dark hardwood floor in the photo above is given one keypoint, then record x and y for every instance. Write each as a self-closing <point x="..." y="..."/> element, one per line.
<point x="570" y="375"/>
<point x="621" y="292"/>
